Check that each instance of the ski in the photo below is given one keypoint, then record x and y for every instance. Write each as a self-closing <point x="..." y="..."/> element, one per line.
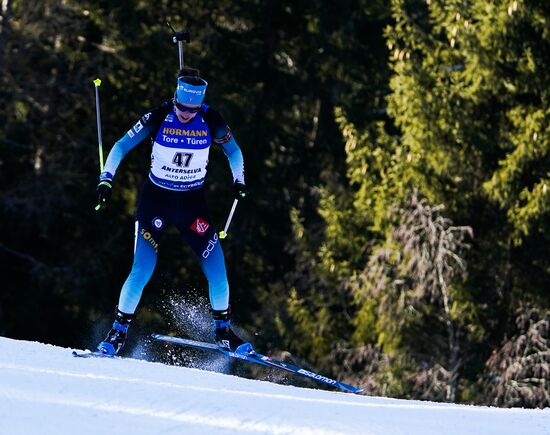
<point x="258" y="358"/>
<point x="89" y="354"/>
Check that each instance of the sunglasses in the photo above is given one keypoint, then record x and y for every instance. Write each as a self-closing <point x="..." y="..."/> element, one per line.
<point x="183" y="108"/>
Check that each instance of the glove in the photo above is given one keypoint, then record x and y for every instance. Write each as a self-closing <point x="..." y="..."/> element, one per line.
<point x="241" y="191"/>
<point x="104" y="192"/>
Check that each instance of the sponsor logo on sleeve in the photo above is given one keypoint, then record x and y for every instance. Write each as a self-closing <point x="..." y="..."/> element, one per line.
<point x="138" y="127"/>
<point x="131" y="133"/>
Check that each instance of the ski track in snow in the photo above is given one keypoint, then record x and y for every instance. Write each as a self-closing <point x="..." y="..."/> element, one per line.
<point x="44" y="390"/>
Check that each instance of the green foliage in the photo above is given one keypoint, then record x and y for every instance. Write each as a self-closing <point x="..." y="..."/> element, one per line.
<point x="471" y="118"/>
<point x="514" y="62"/>
<point x="518" y="371"/>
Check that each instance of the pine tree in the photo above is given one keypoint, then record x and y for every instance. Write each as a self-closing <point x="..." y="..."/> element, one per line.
<point x="461" y="73"/>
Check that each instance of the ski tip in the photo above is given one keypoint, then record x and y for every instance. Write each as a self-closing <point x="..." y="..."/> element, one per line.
<point x="95" y="354"/>
<point x="97" y="82"/>
<point x="351" y="388"/>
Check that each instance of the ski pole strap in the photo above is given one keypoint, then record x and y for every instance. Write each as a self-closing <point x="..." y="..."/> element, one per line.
<point x="223" y="234"/>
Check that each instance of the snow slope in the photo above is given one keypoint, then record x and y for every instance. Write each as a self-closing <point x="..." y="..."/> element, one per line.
<point x="44" y="390"/>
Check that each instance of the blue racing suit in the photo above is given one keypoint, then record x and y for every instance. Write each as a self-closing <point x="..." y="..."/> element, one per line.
<point x="173" y="194"/>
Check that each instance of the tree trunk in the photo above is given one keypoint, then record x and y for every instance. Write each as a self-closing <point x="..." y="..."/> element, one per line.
<point x="5" y="16"/>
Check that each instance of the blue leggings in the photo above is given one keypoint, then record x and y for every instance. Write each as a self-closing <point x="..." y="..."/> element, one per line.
<point x="157" y="208"/>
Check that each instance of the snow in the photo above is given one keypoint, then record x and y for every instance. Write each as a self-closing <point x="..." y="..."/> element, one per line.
<point x="44" y="390"/>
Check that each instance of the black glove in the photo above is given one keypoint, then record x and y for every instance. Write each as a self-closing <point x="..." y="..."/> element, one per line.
<point x="104" y="191"/>
<point x="241" y="191"/>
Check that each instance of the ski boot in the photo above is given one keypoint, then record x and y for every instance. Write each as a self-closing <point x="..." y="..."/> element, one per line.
<point x="225" y="337"/>
<point x="117" y="335"/>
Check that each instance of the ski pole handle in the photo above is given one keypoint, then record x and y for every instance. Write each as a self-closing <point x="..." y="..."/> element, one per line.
<point x="179" y="38"/>
<point x="223" y="234"/>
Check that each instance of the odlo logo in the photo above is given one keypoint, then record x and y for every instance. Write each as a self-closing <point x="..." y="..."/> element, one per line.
<point x="210" y="247"/>
<point x="200" y="226"/>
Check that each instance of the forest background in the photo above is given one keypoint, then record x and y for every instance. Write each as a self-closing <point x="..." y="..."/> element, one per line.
<point x="398" y="158"/>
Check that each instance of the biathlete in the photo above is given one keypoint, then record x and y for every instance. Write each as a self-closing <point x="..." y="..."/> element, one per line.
<point x="181" y="132"/>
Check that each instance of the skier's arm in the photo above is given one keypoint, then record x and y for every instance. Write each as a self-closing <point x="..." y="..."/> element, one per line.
<point x="235" y="157"/>
<point x="224" y="138"/>
<point x="147" y="124"/>
<point x="120" y="149"/>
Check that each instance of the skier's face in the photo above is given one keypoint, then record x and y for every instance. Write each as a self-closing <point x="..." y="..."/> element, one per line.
<point x="186" y="113"/>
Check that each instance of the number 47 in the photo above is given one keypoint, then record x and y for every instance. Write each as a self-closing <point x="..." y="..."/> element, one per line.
<point x="182" y="159"/>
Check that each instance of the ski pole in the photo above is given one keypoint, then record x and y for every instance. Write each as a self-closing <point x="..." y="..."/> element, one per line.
<point x="223" y="234"/>
<point x="180" y="50"/>
<point x="97" y="83"/>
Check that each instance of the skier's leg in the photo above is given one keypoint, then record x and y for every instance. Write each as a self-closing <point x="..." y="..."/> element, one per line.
<point x="212" y="262"/>
<point x="150" y="223"/>
<point x="145" y="259"/>
<point x="148" y="229"/>
<point x="199" y="233"/>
